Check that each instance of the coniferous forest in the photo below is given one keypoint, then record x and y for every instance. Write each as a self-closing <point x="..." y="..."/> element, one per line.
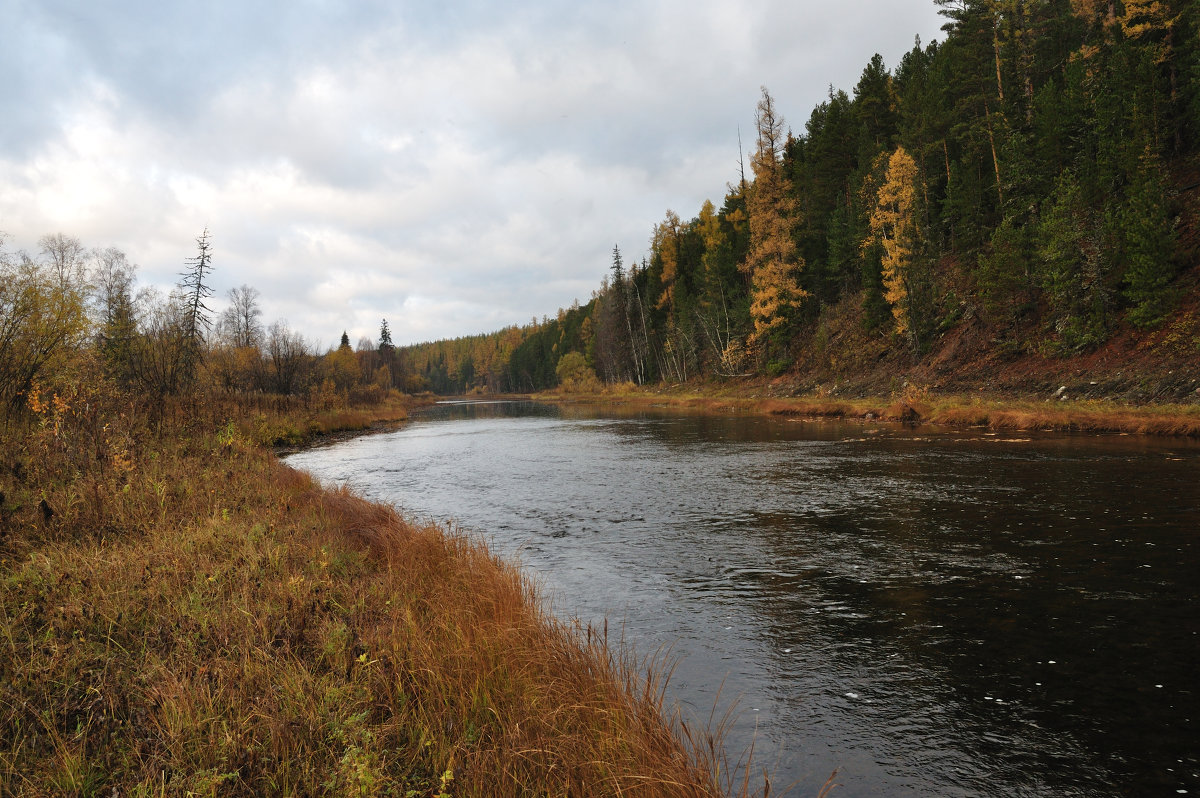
<point x="1023" y="191"/>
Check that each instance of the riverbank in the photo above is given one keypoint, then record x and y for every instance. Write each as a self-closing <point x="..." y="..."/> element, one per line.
<point x="183" y="614"/>
<point x="1058" y="411"/>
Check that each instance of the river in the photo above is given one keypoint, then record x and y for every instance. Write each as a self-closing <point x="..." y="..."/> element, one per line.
<point x="930" y="611"/>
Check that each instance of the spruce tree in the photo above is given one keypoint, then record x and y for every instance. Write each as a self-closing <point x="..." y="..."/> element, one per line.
<point x="1074" y="267"/>
<point x="195" y="289"/>
<point x="1148" y="234"/>
<point x="385" y="339"/>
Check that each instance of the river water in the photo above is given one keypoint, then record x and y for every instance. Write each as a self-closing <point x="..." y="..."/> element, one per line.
<point x="932" y="612"/>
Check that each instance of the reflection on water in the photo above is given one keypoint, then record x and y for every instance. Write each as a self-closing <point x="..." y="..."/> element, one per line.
<point x="952" y="613"/>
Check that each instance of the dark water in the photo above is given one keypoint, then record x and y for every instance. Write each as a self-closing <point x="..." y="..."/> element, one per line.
<point x="934" y="613"/>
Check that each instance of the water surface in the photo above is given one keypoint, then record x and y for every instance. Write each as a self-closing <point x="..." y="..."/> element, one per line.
<point x="952" y="613"/>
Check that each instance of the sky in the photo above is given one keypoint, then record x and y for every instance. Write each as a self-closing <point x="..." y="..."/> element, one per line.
<point x="454" y="167"/>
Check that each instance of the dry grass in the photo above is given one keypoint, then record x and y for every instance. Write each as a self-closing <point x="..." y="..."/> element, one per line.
<point x="1083" y="416"/>
<point x="812" y="408"/>
<point x="197" y="619"/>
<point x="918" y="405"/>
<point x="1078" y="416"/>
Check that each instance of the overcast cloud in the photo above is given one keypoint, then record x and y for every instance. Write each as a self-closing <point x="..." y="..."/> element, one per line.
<point x="454" y="167"/>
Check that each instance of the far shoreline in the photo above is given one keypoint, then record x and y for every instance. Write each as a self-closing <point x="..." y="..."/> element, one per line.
<point x="1057" y="413"/>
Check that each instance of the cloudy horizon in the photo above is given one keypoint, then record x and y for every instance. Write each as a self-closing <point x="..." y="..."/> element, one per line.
<point x="455" y="169"/>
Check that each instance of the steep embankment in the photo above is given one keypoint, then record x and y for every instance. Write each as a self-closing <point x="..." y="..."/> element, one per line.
<point x="1016" y="358"/>
<point x="975" y="357"/>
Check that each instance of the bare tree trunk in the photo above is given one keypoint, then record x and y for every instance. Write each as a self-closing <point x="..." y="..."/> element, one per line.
<point x="995" y="159"/>
<point x="996" y="52"/>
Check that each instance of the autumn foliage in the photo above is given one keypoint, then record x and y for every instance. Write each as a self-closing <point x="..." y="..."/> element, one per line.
<point x="1028" y="179"/>
<point x="181" y="614"/>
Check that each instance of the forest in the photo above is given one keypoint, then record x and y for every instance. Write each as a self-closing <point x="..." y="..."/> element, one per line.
<point x="1033" y="176"/>
<point x="1031" y="184"/>
<point x="69" y="311"/>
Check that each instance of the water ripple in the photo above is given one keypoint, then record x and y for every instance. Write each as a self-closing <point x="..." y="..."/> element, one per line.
<point x="955" y="614"/>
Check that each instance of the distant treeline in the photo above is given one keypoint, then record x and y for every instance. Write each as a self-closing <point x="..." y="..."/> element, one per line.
<point x="73" y="316"/>
<point x="1029" y="172"/>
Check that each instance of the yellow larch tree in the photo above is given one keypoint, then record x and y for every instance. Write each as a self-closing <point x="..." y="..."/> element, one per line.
<point x="773" y="261"/>
<point x="665" y="243"/>
<point x="1144" y="18"/>
<point x="894" y="226"/>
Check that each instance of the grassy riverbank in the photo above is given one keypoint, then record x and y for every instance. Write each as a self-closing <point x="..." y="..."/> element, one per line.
<point x="1058" y="412"/>
<point x="184" y="615"/>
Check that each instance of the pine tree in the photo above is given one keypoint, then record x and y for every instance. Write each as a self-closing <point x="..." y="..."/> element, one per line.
<point x="970" y="98"/>
<point x="817" y="167"/>
<point x="1073" y="267"/>
<point x="112" y="284"/>
<point x="875" y="105"/>
<point x="1003" y="274"/>
<point x="1149" y="239"/>
<point x="612" y="331"/>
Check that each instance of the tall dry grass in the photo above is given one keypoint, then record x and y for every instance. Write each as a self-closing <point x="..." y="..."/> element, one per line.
<point x="1085" y="416"/>
<point x="916" y="405"/>
<point x="195" y="618"/>
<point x="530" y="699"/>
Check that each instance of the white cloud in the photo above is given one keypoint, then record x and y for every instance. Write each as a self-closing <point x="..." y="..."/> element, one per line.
<point x="454" y="169"/>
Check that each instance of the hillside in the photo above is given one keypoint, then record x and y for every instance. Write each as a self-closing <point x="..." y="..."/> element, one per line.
<point x="972" y="356"/>
<point x="1011" y="209"/>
